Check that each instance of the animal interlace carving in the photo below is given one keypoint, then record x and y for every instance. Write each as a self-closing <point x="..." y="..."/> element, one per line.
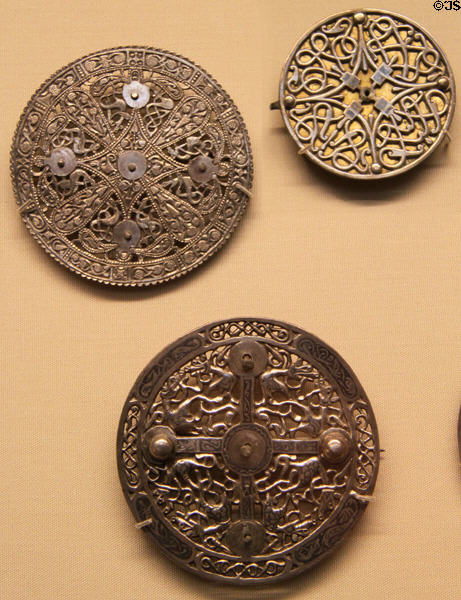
<point x="247" y="450"/>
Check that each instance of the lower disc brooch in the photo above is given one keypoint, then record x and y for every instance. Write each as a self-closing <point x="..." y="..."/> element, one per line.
<point x="247" y="449"/>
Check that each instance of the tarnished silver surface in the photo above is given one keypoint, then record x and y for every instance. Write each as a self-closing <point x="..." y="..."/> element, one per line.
<point x="367" y="94"/>
<point x="133" y="141"/>
<point x="247" y="449"/>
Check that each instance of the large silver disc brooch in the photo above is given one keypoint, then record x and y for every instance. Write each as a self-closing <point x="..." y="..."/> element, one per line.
<point x="247" y="450"/>
<point x="131" y="166"/>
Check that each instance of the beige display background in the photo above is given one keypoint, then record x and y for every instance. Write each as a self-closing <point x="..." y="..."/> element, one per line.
<point x="373" y="270"/>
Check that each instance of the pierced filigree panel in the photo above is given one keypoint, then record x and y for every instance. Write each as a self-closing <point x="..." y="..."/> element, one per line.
<point x="367" y="94"/>
<point x="248" y="449"/>
<point x="131" y="166"/>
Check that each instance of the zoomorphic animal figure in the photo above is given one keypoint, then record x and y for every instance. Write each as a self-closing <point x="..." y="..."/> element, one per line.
<point x="301" y="471"/>
<point x="192" y="472"/>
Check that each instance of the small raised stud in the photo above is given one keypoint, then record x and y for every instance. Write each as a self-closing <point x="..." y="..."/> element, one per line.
<point x="62" y="161"/>
<point x="376" y="168"/>
<point x="289" y="101"/>
<point x="360" y="18"/>
<point x="247" y="362"/>
<point x="245" y="450"/>
<point x="443" y="83"/>
<point x="161" y="447"/>
<point x="335" y="446"/>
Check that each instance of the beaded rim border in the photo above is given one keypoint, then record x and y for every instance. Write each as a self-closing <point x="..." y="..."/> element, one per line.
<point x="186" y="270"/>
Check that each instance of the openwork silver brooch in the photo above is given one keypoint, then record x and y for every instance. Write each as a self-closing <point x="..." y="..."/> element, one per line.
<point x="131" y="166"/>
<point x="247" y="450"/>
<point x="367" y="94"/>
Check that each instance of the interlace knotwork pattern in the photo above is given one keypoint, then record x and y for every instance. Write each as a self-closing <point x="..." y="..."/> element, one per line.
<point x="209" y="415"/>
<point x="131" y="166"/>
<point x="367" y="94"/>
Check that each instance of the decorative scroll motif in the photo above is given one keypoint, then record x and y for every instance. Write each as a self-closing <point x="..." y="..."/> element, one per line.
<point x="367" y="94"/>
<point x="240" y="327"/>
<point x="331" y="361"/>
<point x="131" y="166"/>
<point x="237" y="570"/>
<point x="129" y="447"/>
<point x="366" y="445"/>
<point x="230" y="450"/>
<point x="161" y="533"/>
<point x="168" y="360"/>
<point x="331" y="535"/>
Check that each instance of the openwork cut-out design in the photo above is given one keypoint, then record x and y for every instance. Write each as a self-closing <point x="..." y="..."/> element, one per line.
<point x="247" y="449"/>
<point x="367" y="94"/>
<point x="131" y="166"/>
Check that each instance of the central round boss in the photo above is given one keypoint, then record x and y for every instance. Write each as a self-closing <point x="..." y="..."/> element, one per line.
<point x="247" y="448"/>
